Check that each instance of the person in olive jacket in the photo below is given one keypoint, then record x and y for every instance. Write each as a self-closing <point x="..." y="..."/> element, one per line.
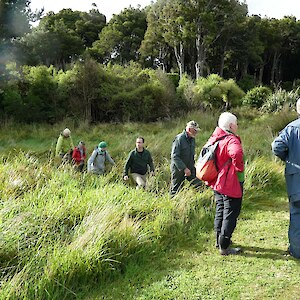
<point x="138" y="162"/>
<point x="183" y="158"/>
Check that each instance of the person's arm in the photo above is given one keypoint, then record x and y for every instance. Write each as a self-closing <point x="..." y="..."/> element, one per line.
<point x="127" y="164"/>
<point x="71" y="143"/>
<point x="91" y="160"/>
<point x="58" y="146"/>
<point x="150" y="163"/>
<point x="280" y="145"/>
<point x="108" y="157"/>
<point x="176" y="155"/>
<point x="235" y="152"/>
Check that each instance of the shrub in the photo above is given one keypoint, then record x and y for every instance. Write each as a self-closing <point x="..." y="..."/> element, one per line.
<point x="257" y="96"/>
<point x="216" y="92"/>
<point x="280" y="99"/>
<point x="247" y="83"/>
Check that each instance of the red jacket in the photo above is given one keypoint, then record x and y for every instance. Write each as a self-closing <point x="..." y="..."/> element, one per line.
<point x="229" y="159"/>
<point x="77" y="157"/>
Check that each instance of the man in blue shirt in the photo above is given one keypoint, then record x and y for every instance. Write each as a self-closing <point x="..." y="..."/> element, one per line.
<point x="287" y="147"/>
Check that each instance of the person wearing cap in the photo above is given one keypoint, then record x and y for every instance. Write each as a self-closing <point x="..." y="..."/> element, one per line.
<point x="78" y="156"/>
<point x="228" y="186"/>
<point x="287" y="147"/>
<point x="183" y="158"/>
<point x="64" y="145"/>
<point x="96" y="163"/>
<point x="139" y="161"/>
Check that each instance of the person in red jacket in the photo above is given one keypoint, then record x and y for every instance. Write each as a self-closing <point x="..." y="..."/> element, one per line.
<point x="227" y="186"/>
<point x="78" y="156"/>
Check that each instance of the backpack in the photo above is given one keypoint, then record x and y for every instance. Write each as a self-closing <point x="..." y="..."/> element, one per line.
<point x="206" y="167"/>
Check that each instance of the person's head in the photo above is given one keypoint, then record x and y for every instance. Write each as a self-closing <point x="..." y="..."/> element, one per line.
<point x="139" y="143"/>
<point x="66" y="132"/>
<point x="81" y="145"/>
<point x="102" y="146"/>
<point x="298" y="106"/>
<point x="228" y="122"/>
<point x="192" y="128"/>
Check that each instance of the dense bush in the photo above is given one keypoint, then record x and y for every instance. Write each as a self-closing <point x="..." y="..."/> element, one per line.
<point x="216" y="92"/>
<point x="247" y="83"/>
<point x="257" y="96"/>
<point x="280" y="99"/>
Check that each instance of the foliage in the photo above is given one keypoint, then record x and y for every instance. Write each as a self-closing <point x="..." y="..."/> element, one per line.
<point x="216" y="92"/>
<point x="247" y="83"/>
<point x="257" y="96"/>
<point x="120" y="40"/>
<point x="281" y="99"/>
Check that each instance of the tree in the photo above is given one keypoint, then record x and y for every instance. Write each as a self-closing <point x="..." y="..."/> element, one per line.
<point x="15" y="16"/>
<point x="62" y="37"/>
<point x="120" y="40"/>
<point x="154" y="48"/>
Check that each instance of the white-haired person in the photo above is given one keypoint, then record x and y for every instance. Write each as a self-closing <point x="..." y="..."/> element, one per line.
<point x="183" y="158"/>
<point x="227" y="187"/>
<point x="287" y="147"/>
<point x="64" y="145"/>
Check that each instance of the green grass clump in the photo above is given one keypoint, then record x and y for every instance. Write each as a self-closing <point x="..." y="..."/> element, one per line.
<point x="67" y="235"/>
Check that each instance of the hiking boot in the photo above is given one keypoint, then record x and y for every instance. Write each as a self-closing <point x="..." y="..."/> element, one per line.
<point x="230" y="251"/>
<point x="218" y="246"/>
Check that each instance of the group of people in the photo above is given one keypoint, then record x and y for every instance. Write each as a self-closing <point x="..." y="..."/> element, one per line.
<point x="227" y="186"/>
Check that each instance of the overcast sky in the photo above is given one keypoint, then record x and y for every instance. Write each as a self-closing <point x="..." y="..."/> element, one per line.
<point x="270" y="8"/>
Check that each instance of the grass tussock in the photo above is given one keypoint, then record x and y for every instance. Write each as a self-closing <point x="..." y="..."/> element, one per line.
<point x="62" y="231"/>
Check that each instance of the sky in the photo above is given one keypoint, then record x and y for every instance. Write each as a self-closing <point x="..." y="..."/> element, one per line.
<point x="270" y="8"/>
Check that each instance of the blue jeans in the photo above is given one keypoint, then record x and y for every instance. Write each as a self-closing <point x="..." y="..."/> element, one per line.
<point x="294" y="228"/>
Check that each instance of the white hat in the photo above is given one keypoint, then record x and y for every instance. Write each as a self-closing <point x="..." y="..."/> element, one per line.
<point x="66" y="132"/>
<point x="298" y="106"/>
<point x="193" y="125"/>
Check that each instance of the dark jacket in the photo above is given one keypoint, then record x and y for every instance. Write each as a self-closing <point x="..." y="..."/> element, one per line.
<point x="183" y="152"/>
<point x="138" y="162"/>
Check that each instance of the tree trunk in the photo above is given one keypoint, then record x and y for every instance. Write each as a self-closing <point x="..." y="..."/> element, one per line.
<point x="201" y="57"/>
<point x="179" y="54"/>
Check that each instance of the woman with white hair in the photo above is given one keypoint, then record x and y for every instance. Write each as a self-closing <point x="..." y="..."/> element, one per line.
<point x="227" y="186"/>
<point x="64" y="144"/>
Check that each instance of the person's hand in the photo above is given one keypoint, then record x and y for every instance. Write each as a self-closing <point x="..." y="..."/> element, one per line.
<point x="187" y="172"/>
<point x="125" y="177"/>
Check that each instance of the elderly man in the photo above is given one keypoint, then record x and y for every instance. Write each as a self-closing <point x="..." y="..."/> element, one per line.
<point x="183" y="158"/>
<point x="64" y="145"/>
<point x="287" y="147"/>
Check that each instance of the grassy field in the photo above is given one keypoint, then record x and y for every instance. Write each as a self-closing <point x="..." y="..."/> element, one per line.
<point x="65" y="235"/>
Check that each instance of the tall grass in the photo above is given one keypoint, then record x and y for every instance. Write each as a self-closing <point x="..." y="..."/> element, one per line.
<point x="61" y="230"/>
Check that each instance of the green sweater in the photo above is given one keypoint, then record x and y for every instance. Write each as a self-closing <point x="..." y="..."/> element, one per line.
<point x="138" y="162"/>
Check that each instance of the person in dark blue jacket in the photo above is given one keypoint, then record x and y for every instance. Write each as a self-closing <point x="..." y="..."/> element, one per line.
<point x="183" y="158"/>
<point x="287" y="147"/>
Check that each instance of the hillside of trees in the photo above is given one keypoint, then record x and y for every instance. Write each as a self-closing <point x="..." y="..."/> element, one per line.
<point x="76" y="64"/>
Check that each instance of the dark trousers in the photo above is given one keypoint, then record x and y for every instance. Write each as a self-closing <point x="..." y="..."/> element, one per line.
<point x="227" y="212"/>
<point x="294" y="228"/>
<point x="178" y="178"/>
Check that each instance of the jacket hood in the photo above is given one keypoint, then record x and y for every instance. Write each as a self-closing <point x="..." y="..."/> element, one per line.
<point x="217" y="134"/>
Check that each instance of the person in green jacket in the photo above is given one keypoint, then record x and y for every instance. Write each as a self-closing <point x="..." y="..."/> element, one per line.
<point x="139" y="161"/>
<point x="183" y="159"/>
<point x="64" y="145"/>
